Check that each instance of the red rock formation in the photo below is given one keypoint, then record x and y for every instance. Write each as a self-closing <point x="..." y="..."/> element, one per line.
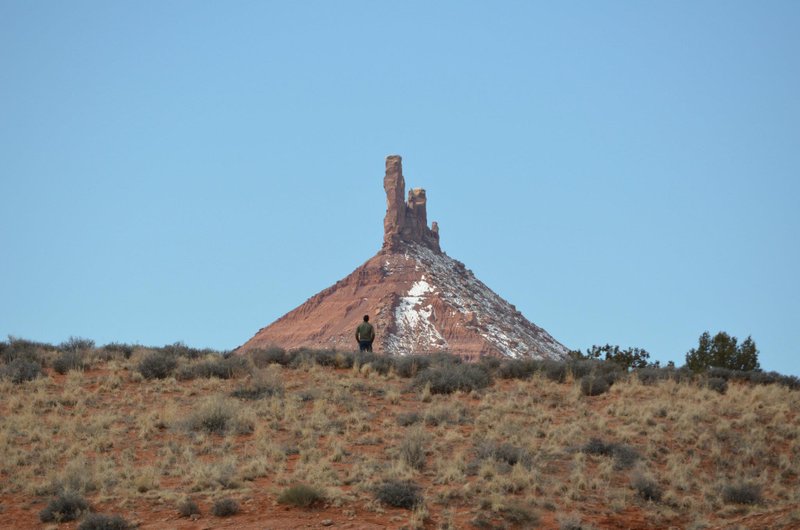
<point x="419" y="299"/>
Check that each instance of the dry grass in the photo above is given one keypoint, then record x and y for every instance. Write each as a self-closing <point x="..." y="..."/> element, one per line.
<point x="507" y="454"/>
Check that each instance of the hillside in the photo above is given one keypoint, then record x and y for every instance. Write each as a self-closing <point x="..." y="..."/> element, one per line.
<point x="521" y="446"/>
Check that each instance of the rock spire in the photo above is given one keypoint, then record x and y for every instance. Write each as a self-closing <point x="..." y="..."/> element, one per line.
<point x="419" y="299"/>
<point x="405" y="221"/>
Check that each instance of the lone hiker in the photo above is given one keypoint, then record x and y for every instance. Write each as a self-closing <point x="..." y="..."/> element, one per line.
<point x="365" y="334"/>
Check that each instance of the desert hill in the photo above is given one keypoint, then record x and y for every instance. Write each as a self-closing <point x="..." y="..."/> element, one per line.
<point x="179" y="438"/>
<point x="420" y="299"/>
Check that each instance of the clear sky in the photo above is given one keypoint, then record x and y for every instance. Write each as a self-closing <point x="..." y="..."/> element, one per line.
<point x="622" y="172"/>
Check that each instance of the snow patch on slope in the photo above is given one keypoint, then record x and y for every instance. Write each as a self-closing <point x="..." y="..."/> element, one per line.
<point x="415" y="331"/>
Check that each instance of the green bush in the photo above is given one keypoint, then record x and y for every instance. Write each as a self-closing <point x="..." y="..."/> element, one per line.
<point x="65" y="507"/>
<point x="404" y="419"/>
<point x="221" y="368"/>
<point x="301" y="495"/>
<point x="723" y="351"/>
<point x="412" y="449"/>
<point x="411" y="365"/>
<point x="518" y="368"/>
<point x="99" y="521"/>
<point x="116" y="348"/>
<point x="398" y="494"/>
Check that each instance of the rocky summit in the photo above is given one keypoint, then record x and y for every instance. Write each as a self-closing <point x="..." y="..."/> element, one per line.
<point x="419" y="299"/>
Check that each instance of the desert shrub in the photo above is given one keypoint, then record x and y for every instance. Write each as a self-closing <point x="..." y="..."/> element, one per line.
<point x="448" y="379"/>
<point x="221" y="368"/>
<point x="68" y="360"/>
<point x="273" y="355"/>
<point x="218" y="415"/>
<point x="412" y="449"/>
<point x="518" y="368"/>
<point x="646" y="487"/>
<point x="65" y="507"/>
<point x="259" y="388"/>
<point x="555" y="370"/>
<point x="507" y="453"/>
<point x="25" y="349"/>
<point x="717" y="384"/>
<point x="650" y="375"/>
<point x="518" y="515"/>
<point x="188" y="508"/>
<point x="404" y="419"/>
<point x="624" y="456"/>
<point x="572" y="521"/>
<point x="179" y="349"/>
<point x="21" y="370"/>
<point x="594" y="385"/>
<point x="742" y="493"/>
<point x="158" y="365"/>
<point x="76" y="344"/>
<point x="398" y="494"/>
<point x="411" y="365"/>
<point x="225" y="507"/>
<point x="116" y="348"/>
<point x="301" y="495"/>
<point x="446" y="414"/>
<point x="99" y="521"/>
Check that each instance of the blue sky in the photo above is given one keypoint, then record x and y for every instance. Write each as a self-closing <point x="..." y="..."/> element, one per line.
<point x="622" y="172"/>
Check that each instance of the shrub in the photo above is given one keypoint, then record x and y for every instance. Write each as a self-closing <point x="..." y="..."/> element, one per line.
<point x="301" y="495"/>
<point x="221" y="368"/>
<point x="188" y="508"/>
<point x="594" y="385"/>
<point x="273" y="355"/>
<point x="722" y="351"/>
<point x="717" y="384"/>
<point x="646" y="488"/>
<point x="76" y="344"/>
<point x="404" y="419"/>
<point x="218" y="415"/>
<point x="116" y="348"/>
<point x="518" y="368"/>
<point x="742" y="493"/>
<point x="98" y="521"/>
<point x="179" y="349"/>
<point x="572" y="522"/>
<point x="412" y="450"/>
<point x="624" y="456"/>
<point x="24" y="349"/>
<point x="259" y="388"/>
<point x="158" y="365"/>
<point x="225" y="507"/>
<point x="507" y="453"/>
<point x="20" y="370"/>
<point x="448" y="379"/>
<point x="411" y="365"/>
<point x="555" y="370"/>
<point x="398" y="494"/>
<point x="65" y="507"/>
<point x="519" y="515"/>
<point x="68" y="360"/>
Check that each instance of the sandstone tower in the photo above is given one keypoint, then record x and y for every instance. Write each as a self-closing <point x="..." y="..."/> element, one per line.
<point x="419" y="299"/>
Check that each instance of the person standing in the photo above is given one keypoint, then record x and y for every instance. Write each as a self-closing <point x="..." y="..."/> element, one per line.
<point x="365" y="335"/>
